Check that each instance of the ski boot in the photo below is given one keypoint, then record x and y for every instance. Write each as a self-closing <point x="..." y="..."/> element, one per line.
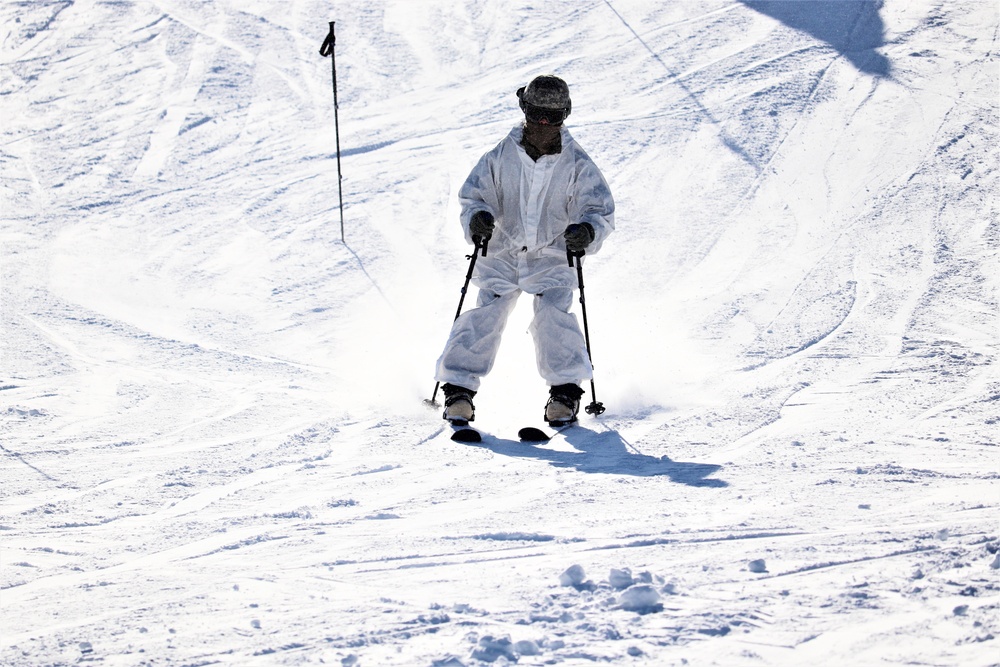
<point x="458" y="407"/>
<point x="563" y="404"/>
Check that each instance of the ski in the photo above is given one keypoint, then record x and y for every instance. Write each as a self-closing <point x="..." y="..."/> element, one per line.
<point x="465" y="433"/>
<point x="532" y="434"/>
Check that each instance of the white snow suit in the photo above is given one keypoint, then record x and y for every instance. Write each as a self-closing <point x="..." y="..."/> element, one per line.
<point x="532" y="204"/>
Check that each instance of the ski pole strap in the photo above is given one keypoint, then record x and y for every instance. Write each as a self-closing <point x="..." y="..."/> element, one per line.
<point x="481" y="243"/>
<point x="570" y="256"/>
<point x="331" y="40"/>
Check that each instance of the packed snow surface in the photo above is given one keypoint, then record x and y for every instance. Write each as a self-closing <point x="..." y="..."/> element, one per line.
<point x="214" y="443"/>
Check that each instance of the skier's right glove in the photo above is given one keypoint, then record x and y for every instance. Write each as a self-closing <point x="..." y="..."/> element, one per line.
<point x="579" y="236"/>
<point x="481" y="226"/>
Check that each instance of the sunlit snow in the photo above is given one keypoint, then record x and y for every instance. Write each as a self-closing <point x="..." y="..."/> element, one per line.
<point x="213" y="442"/>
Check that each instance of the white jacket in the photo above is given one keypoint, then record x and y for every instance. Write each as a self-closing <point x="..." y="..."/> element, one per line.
<point x="532" y="204"/>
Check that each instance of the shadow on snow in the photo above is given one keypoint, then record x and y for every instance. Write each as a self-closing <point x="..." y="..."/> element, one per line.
<point x="606" y="452"/>
<point x="853" y="27"/>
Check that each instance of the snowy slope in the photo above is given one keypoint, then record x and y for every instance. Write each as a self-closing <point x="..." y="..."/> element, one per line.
<point x="214" y="448"/>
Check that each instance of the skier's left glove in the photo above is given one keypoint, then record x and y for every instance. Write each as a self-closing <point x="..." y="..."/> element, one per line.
<point x="481" y="226"/>
<point x="578" y="236"/>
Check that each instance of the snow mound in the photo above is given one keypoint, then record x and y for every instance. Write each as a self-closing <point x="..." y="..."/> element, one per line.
<point x="641" y="598"/>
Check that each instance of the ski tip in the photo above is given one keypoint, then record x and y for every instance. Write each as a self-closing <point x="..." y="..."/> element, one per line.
<point x="532" y="434"/>
<point x="467" y="435"/>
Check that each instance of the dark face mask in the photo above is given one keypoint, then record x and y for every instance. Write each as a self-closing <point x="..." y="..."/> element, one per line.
<point x="541" y="139"/>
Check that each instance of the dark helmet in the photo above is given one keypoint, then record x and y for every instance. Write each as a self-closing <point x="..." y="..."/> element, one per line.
<point x="546" y="97"/>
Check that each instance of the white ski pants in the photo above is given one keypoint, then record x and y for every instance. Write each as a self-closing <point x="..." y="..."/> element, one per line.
<point x="560" y="348"/>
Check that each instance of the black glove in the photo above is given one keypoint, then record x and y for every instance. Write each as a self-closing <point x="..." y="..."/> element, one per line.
<point x="481" y="226"/>
<point x="578" y="236"/>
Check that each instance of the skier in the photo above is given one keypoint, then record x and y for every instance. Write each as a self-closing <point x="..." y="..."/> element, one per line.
<point x="532" y="200"/>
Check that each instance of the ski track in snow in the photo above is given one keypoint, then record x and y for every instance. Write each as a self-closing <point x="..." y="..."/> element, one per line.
<point x="212" y="443"/>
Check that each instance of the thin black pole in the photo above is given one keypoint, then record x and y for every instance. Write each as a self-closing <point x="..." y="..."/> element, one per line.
<point x="481" y="246"/>
<point x="328" y="50"/>
<point x="595" y="407"/>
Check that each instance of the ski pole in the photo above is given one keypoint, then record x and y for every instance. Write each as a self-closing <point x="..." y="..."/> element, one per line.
<point x="481" y="245"/>
<point x="328" y="50"/>
<point x="596" y="407"/>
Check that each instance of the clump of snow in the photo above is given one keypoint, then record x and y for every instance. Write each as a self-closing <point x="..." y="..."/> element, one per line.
<point x="646" y="577"/>
<point x="448" y="661"/>
<point x="22" y="412"/>
<point x="574" y="576"/>
<point x="620" y="579"/>
<point x="641" y="598"/>
<point x="757" y="565"/>
<point x="526" y="647"/>
<point x="491" y="649"/>
<point x="996" y="562"/>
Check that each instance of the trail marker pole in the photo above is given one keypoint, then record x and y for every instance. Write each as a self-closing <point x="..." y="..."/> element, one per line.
<point x="328" y="50"/>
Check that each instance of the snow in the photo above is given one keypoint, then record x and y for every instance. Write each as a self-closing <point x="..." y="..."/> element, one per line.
<point x="214" y="447"/>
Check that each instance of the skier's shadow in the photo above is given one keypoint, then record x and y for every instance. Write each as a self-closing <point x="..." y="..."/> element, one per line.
<point x="607" y="452"/>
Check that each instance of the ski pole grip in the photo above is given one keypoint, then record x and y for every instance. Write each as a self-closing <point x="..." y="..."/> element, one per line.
<point x="486" y="243"/>
<point x="328" y="43"/>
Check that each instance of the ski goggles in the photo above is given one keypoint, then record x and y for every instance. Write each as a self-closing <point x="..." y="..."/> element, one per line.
<point x="544" y="115"/>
